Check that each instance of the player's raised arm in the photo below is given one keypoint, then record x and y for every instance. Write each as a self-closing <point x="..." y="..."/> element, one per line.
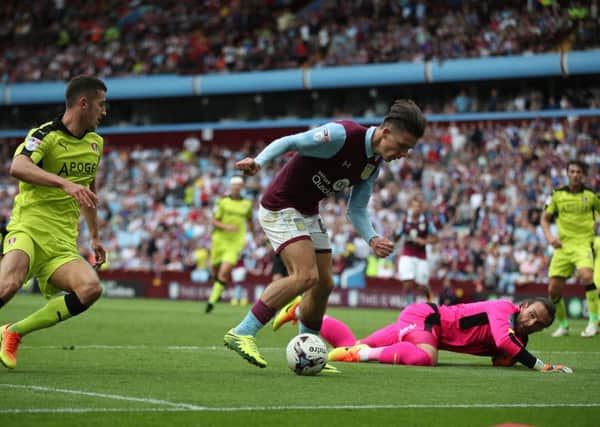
<point x="322" y="142"/>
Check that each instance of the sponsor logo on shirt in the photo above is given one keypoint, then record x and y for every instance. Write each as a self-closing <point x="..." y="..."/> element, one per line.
<point x="322" y="183"/>
<point x="32" y="143"/>
<point x="340" y="184"/>
<point x="77" y="169"/>
<point x="322" y="136"/>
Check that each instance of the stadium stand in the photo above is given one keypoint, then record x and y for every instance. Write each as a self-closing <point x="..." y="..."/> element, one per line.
<point x="484" y="180"/>
<point x="134" y="38"/>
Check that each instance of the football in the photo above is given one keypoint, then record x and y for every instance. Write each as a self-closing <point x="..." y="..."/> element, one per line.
<point x="306" y="354"/>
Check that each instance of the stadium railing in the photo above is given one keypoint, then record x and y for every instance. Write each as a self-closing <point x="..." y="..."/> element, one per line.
<point x="401" y="73"/>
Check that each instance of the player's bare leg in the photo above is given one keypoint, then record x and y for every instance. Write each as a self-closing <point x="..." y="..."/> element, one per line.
<point x="13" y="270"/>
<point x="301" y="263"/>
<point x="82" y="285"/>
<point x="299" y="258"/>
<point x="314" y="301"/>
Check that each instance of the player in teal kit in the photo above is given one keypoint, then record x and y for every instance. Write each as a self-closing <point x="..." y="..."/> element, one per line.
<point x="56" y="167"/>
<point x="328" y="159"/>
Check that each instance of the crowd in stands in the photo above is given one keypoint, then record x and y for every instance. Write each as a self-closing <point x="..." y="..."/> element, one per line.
<point x="55" y="40"/>
<point x="485" y="184"/>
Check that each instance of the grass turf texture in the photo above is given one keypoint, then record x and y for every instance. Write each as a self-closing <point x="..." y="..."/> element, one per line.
<point x="151" y="362"/>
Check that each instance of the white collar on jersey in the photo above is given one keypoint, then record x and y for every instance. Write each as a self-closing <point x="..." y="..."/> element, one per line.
<point x="369" y="142"/>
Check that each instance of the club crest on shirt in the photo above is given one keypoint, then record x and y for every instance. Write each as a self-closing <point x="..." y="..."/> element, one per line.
<point x="322" y="136"/>
<point x="95" y="147"/>
<point x="12" y="241"/>
<point x="32" y="143"/>
<point x="367" y="171"/>
<point x="584" y="199"/>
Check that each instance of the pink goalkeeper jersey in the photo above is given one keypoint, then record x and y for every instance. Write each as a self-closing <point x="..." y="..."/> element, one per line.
<point x="482" y="328"/>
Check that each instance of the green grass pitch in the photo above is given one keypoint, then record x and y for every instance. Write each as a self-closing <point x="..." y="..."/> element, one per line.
<point x="151" y="362"/>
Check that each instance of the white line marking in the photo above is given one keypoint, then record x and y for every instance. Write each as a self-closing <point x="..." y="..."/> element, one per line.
<point x="302" y="408"/>
<point x="138" y="347"/>
<point x="216" y="347"/>
<point x="104" y="396"/>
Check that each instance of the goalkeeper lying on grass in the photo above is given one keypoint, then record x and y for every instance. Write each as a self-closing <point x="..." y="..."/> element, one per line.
<point x="492" y="328"/>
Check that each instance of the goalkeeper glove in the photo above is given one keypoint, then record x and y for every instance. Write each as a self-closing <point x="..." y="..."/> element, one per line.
<point x="557" y="368"/>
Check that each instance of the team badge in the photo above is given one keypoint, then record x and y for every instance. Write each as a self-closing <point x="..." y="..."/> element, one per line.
<point x="300" y="224"/>
<point x="12" y="241"/>
<point x="95" y="147"/>
<point x="322" y="136"/>
<point x="367" y="171"/>
<point x="32" y="143"/>
<point x="583" y="199"/>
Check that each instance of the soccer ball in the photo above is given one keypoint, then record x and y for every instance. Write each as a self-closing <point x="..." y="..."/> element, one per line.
<point x="306" y="354"/>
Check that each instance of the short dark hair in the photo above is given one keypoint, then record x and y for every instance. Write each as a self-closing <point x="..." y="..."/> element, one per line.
<point x="406" y="115"/>
<point x="82" y="85"/>
<point x="583" y="166"/>
<point x="546" y="303"/>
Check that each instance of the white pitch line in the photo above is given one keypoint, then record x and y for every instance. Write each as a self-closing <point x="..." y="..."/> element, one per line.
<point x="137" y="347"/>
<point x="215" y="348"/>
<point x="104" y="396"/>
<point x="302" y="408"/>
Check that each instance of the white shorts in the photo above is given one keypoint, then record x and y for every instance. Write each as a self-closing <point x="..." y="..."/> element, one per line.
<point x="413" y="268"/>
<point x="288" y="225"/>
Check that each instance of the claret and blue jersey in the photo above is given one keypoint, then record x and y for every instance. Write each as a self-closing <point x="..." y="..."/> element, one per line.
<point x="328" y="159"/>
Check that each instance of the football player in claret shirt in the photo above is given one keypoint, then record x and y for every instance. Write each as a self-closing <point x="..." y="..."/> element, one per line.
<point x="416" y="231"/>
<point x="497" y="328"/>
<point x="56" y="167"/>
<point x="328" y="159"/>
<point x="574" y="207"/>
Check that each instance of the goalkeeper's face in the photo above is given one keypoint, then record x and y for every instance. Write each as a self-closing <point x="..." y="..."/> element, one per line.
<point x="533" y="317"/>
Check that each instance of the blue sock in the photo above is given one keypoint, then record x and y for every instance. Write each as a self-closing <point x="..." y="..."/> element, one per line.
<point x="249" y="326"/>
<point x="303" y="329"/>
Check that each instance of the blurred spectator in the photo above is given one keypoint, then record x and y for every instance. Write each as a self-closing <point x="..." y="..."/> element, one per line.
<point x="57" y="40"/>
<point x="485" y="200"/>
